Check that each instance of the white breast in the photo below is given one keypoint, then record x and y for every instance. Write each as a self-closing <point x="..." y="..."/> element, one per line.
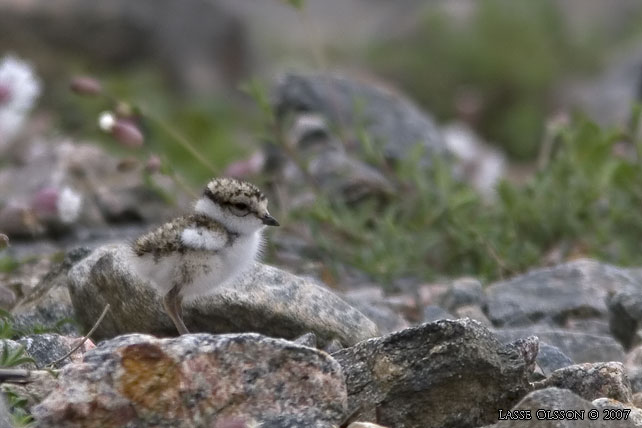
<point x="210" y="269"/>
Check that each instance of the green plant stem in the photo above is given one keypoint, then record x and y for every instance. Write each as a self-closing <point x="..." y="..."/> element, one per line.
<point x="181" y="140"/>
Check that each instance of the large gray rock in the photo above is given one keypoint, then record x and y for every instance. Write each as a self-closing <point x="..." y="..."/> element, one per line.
<point x="580" y="347"/>
<point x="264" y="300"/>
<point x="442" y="374"/>
<point x="390" y="119"/>
<point x="553" y="295"/>
<point x="593" y="380"/>
<point x="197" y="380"/>
<point x="625" y="316"/>
<point x="554" y="400"/>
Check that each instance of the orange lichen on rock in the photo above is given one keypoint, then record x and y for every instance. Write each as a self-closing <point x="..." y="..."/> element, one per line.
<point x="151" y="379"/>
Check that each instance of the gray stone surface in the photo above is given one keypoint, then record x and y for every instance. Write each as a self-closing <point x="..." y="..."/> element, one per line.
<point x="625" y="316"/>
<point x="388" y="118"/>
<point x="593" y="380"/>
<point x="550" y="358"/>
<point x="435" y="313"/>
<point x="555" y="399"/>
<point x="577" y="289"/>
<point x="380" y="313"/>
<point x="264" y="300"/>
<point x="463" y="292"/>
<point x="48" y="305"/>
<point x="47" y="348"/>
<point x="580" y="347"/>
<point x="441" y="374"/>
<point x="197" y="380"/>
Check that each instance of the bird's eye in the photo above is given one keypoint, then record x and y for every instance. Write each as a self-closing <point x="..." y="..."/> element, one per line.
<point x="240" y="209"/>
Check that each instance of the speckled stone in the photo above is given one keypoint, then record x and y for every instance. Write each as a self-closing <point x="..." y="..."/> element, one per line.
<point x="265" y="300"/>
<point x="593" y="380"/>
<point x="47" y="348"/>
<point x="580" y="347"/>
<point x="197" y="380"/>
<point x="556" y="399"/>
<point x="449" y="373"/>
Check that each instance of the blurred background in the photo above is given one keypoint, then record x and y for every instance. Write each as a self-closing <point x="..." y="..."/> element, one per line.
<point x="399" y="141"/>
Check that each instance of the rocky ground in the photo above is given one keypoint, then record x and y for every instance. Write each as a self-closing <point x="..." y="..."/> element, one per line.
<point x="277" y="349"/>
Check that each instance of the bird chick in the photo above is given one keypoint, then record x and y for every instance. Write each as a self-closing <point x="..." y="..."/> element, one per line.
<point x="193" y="254"/>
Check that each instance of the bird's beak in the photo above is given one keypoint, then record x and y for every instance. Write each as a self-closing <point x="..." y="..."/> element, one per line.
<point x="268" y="220"/>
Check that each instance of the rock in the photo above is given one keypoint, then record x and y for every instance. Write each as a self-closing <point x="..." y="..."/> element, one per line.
<point x="435" y="313"/>
<point x="47" y="348"/>
<point x="554" y="400"/>
<point x="6" y="421"/>
<point x="482" y="164"/>
<point x="593" y="380"/>
<point x="625" y="316"/>
<point x="308" y="339"/>
<point x="580" y="347"/>
<point x="323" y="116"/>
<point x="264" y="299"/>
<point x="364" y="425"/>
<point x="205" y="56"/>
<point x="635" y="377"/>
<point x="463" y="292"/>
<point x="473" y="312"/>
<point x="389" y="119"/>
<point x="197" y="380"/>
<point x="550" y="358"/>
<point x="379" y="311"/>
<point x="577" y="289"/>
<point x="7" y="297"/>
<point x="62" y="188"/>
<point x="48" y="305"/>
<point x="634" y="414"/>
<point x="41" y="383"/>
<point x="411" y="378"/>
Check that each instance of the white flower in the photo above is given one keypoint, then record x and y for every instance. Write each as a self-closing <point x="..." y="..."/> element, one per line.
<point x="106" y="121"/>
<point x="20" y="88"/>
<point x="69" y="203"/>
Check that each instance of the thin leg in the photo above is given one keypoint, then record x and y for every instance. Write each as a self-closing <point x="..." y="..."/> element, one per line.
<point x="173" y="303"/>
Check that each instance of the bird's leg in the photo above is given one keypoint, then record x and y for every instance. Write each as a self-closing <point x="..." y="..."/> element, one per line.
<point x="173" y="303"/>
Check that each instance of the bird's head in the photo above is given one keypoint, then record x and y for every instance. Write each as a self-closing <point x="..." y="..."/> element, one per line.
<point x="238" y="205"/>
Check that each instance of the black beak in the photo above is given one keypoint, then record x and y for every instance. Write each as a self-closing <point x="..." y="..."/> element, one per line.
<point x="268" y="220"/>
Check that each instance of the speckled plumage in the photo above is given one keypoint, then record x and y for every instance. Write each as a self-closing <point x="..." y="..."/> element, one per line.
<point x="166" y="239"/>
<point x="192" y="254"/>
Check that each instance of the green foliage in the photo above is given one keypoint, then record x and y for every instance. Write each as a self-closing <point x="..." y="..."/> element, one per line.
<point x="297" y="4"/>
<point x="510" y="54"/>
<point x="8" y="264"/>
<point x="19" y="413"/>
<point x="9" y="358"/>
<point x="585" y="202"/>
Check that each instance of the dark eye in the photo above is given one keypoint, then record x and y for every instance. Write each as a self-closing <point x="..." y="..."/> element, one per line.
<point x="240" y="209"/>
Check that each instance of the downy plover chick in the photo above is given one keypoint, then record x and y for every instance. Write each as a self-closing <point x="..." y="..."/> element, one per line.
<point x="193" y="254"/>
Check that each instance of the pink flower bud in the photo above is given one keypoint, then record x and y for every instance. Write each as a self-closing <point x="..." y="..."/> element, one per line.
<point x="153" y="164"/>
<point x="246" y="167"/>
<point x="45" y="202"/>
<point x="5" y="94"/>
<point x="127" y="133"/>
<point x="84" y="85"/>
